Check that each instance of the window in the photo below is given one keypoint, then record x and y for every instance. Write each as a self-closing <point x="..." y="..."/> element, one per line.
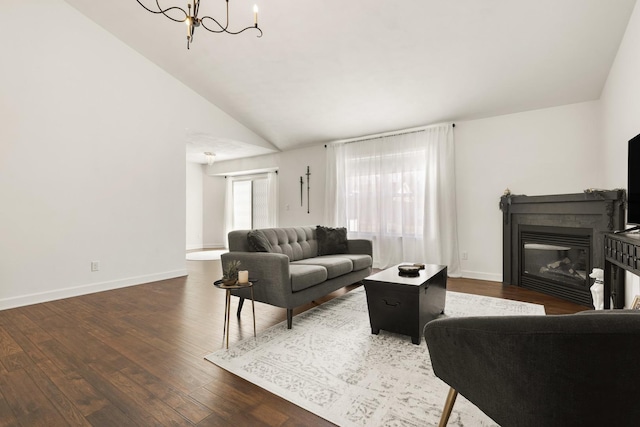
<point x="398" y="191"/>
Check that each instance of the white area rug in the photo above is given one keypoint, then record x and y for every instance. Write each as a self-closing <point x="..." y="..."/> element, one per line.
<point x="331" y="364"/>
<point x="205" y="255"/>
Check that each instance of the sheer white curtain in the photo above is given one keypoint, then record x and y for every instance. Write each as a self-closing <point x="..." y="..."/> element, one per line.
<point x="272" y="197"/>
<point x="399" y="191"/>
<point x="228" y="210"/>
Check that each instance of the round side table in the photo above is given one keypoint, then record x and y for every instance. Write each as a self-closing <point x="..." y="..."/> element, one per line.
<point x="227" y="305"/>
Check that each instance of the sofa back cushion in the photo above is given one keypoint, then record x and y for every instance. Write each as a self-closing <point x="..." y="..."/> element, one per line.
<point x="295" y="242"/>
<point x="331" y="240"/>
<point x="258" y="241"/>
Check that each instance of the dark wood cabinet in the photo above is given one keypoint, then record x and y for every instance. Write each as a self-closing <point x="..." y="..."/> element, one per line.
<point x="621" y="253"/>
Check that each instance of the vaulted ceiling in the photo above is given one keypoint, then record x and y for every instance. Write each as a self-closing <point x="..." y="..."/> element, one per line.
<point x="334" y="69"/>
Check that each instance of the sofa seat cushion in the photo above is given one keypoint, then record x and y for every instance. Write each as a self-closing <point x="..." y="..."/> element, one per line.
<point x="305" y="276"/>
<point x="334" y="264"/>
<point x="360" y="261"/>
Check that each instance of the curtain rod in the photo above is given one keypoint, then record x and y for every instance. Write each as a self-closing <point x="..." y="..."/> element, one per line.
<point x="379" y="136"/>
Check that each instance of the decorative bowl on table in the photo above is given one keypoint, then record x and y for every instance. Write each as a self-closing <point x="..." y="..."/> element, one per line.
<point x="226" y="282"/>
<point x="409" y="270"/>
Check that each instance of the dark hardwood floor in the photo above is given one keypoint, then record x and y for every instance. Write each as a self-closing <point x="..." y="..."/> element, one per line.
<point x="135" y="356"/>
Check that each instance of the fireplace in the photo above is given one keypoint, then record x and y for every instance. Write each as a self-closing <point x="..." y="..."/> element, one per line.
<point x="551" y="243"/>
<point x="556" y="261"/>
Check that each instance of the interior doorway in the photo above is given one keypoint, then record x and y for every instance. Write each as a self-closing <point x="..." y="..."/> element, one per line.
<point x="253" y="201"/>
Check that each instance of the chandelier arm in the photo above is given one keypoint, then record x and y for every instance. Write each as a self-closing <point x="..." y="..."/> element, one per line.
<point x="164" y="11"/>
<point x="196" y="7"/>
<point x="224" y="29"/>
<point x="221" y="30"/>
<point x="227" y="26"/>
<point x="253" y="27"/>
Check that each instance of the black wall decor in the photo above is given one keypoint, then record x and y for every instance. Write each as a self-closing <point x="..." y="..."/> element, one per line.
<point x="308" y="175"/>
<point x="301" y="184"/>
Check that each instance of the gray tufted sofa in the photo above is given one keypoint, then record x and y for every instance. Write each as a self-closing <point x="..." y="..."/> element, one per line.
<point x="292" y="273"/>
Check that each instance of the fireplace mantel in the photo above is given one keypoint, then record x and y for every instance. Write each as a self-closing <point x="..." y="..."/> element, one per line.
<point x="601" y="211"/>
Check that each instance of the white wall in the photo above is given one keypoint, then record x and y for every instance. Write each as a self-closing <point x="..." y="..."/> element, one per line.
<point x="621" y="117"/>
<point x="291" y="166"/>
<point x="194" y="208"/>
<point x="549" y="151"/>
<point x="92" y="157"/>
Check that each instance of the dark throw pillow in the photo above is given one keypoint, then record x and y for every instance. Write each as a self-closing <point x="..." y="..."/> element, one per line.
<point x="258" y="241"/>
<point x="331" y="240"/>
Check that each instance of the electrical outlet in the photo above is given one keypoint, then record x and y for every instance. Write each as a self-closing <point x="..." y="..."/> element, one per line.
<point x="95" y="265"/>
<point x="465" y="255"/>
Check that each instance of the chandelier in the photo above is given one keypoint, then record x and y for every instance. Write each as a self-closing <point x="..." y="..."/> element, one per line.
<point x="210" y="157"/>
<point x="193" y="21"/>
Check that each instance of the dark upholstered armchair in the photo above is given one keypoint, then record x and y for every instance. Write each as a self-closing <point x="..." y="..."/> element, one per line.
<point x="565" y="370"/>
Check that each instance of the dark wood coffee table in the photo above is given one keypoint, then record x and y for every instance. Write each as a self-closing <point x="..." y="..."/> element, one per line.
<point x="403" y="304"/>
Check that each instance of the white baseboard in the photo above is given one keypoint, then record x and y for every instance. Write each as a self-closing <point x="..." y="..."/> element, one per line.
<point x="214" y="245"/>
<point x="492" y="277"/>
<point x="193" y="246"/>
<point x="91" y="288"/>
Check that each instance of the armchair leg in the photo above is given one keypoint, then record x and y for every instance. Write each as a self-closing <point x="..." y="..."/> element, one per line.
<point x="448" y="407"/>
<point x="289" y="318"/>
<point x="240" y="303"/>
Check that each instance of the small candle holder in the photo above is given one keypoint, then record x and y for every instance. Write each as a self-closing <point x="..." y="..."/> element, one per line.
<point x="243" y="276"/>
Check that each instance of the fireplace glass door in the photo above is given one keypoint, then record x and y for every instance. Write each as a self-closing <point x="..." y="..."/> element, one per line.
<point x="565" y="264"/>
<point x="560" y="260"/>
